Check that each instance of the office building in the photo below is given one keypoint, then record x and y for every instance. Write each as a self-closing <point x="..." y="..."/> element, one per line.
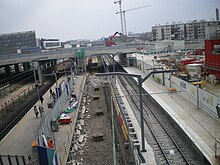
<point x="11" y="42"/>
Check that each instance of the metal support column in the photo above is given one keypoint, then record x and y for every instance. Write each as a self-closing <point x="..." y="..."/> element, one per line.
<point x="141" y="114"/>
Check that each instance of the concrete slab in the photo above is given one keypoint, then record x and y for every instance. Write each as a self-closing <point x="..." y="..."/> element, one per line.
<point x="149" y="155"/>
<point x="202" y="128"/>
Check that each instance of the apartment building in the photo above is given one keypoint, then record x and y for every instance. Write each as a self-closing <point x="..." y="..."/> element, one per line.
<point x="190" y="31"/>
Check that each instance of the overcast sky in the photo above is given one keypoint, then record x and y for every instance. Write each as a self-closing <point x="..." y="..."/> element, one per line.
<point x="93" y="19"/>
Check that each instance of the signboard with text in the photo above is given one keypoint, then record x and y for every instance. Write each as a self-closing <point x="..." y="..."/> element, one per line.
<point x="80" y="53"/>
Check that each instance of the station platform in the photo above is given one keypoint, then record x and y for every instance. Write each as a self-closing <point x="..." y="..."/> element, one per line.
<point x="149" y="154"/>
<point x="19" y="140"/>
<point x="203" y="129"/>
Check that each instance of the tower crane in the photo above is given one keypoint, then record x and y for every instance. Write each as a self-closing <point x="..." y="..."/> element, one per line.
<point x="121" y="17"/>
<point x="123" y="12"/>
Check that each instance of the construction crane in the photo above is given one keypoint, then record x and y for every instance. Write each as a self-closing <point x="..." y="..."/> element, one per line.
<point x="123" y="12"/>
<point x="121" y="17"/>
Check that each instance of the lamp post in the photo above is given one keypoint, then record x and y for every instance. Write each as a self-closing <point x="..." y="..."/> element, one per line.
<point x="153" y="66"/>
<point x="142" y="57"/>
<point x="140" y="98"/>
<point x="55" y="75"/>
<point x="56" y="88"/>
<point x="198" y="76"/>
<point x="140" y="81"/>
<point x="75" y="68"/>
<point x="35" y="77"/>
<point x="197" y="91"/>
<point x="36" y="85"/>
<point x="113" y="130"/>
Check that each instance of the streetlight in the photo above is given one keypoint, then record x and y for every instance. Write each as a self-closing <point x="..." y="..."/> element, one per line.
<point x="36" y="85"/>
<point x="55" y="74"/>
<point x="113" y="130"/>
<point x="35" y="77"/>
<point x="142" y="63"/>
<point x="140" y="81"/>
<point x="56" y="88"/>
<point x="153" y="64"/>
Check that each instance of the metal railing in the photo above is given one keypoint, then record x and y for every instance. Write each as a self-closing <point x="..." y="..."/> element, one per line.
<point x="12" y="160"/>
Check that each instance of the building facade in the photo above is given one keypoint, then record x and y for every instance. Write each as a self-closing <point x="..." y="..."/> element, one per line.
<point x="212" y="57"/>
<point x="11" y="42"/>
<point x="190" y="31"/>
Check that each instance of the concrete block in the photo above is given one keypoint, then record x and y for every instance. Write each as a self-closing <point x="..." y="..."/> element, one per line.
<point x="75" y="147"/>
<point x="123" y="107"/>
<point x="99" y="112"/>
<point x="131" y="129"/>
<point x="126" y="114"/>
<point x="127" y="117"/>
<point x="81" y="138"/>
<point x="83" y="109"/>
<point x="135" y="141"/>
<point x="79" y="127"/>
<point x="126" y="144"/>
<point x="96" y="98"/>
<point x="98" y="137"/>
<point x="96" y="89"/>
<point x="130" y="124"/>
<point x="133" y="135"/>
<point x="71" y="162"/>
<point x="137" y="145"/>
<point x="78" y="132"/>
<point x="88" y="116"/>
<point x="82" y="122"/>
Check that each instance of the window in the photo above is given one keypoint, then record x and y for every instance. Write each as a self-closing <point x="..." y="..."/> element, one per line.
<point x="216" y="49"/>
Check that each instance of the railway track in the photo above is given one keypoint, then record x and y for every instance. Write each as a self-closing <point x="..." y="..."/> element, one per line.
<point x="16" y="80"/>
<point x="23" y="108"/>
<point x="11" y="115"/>
<point x="164" y="145"/>
<point x="15" y="77"/>
<point x="170" y="144"/>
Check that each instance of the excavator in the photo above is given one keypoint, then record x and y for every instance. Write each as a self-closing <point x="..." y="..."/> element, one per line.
<point x="110" y="41"/>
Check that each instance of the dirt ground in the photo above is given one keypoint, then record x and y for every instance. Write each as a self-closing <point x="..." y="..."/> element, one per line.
<point x="92" y="143"/>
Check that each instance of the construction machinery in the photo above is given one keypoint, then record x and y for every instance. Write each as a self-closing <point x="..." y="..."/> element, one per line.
<point x="110" y="41"/>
